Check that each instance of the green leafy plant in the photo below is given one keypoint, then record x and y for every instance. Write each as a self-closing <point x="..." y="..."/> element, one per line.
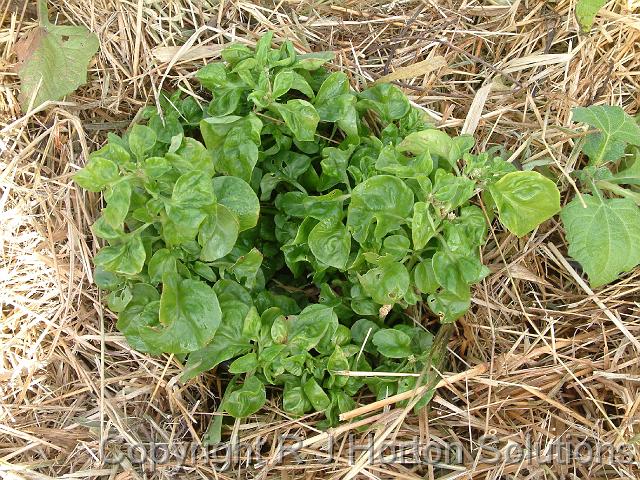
<point x="296" y="228"/>
<point x="603" y="232"/>
<point x="53" y="60"/>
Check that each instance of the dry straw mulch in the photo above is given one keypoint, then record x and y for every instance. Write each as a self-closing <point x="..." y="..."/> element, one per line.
<point x="545" y="358"/>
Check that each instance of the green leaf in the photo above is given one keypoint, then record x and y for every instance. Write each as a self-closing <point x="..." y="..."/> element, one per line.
<point x="294" y="401"/>
<point x="247" y="267"/>
<point x="383" y="199"/>
<point x="191" y="193"/>
<point x="604" y="237"/>
<point x="308" y="328"/>
<point x="386" y="284"/>
<point x="313" y="61"/>
<point x="392" y="343"/>
<point x="586" y="11"/>
<point x="286" y="80"/>
<point x="126" y="258"/>
<point x="244" y="364"/>
<point x="118" y="200"/>
<point x="448" y="306"/>
<point x="189" y="316"/>
<point x="301" y="118"/>
<point x="97" y="174"/>
<point x="330" y="243"/>
<point x="423" y="225"/>
<point x="141" y="140"/>
<point x="525" y="200"/>
<point x="424" y="277"/>
<point x="362" y="330"/>
<point x="451" y="190"/>
<point x="386" y="100"/>
<point x="162" y="262"/>
<point x="229" y="340"/>
<point x="316" y="395"/>
<point x="141" y="312"/>
<point x="247" y="400"/>
<point x="236" y="194"/>
<point x="53" y="60"/>
<point x="455" y="272"/>
<point x="218" y="234"/>
<point x="617" y="129"/>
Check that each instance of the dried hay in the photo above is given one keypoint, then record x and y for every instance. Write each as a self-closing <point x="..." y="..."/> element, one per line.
<point x="542" y="357"/>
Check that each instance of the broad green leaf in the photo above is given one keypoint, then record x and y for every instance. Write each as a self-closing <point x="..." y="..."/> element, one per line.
<point x="141" y="140"/>
<point x="393" y="162"/>
<point x="126" y="258"/>
<point x="396" y="246"/>
<point x="525" y="200"/>
<point x="448" y="306"/>
<point x="314" y="60"/>
<point x="246" y="400"/>
<point x="432" y="141"/>
<point x="450" y="190"/>
<point x="189" y="316"/>
<point x="362" y="330"/>
<point x="301" y="118"/>
<point x="383" y="199"/>
<point x="455" y="272"/>
<point x="424" y="277"/>
<point x="162" y="262"/>
<point x="604" y="237"/>
<point x="236" y="194"/>
<point x="247" y="267"/>
<point x="629" y="175"/>
<point x="141" y="312"/>
<point x="286" y="80"/>
<point x="331" y="244"/>
<point x="294" y="401"/>
<point x="53" y="60"/>
<point x="212" y="76"/>
<point x="244" y="364"/>
<point x="386" y="284"/>
<point x="97" y="174"/>
<point x="218" y="234"/>
<point x="308" y="328"/>
<point x="423" y="225"/>
<point x="118" y="200"/>
<point x="617" y="129"/>
<point x="316" y="395"/>
<point x="467" y="231"/>
<point x="229" y="340"/>
<point x="586" y="11"/>
<point x="392" y="343"/>
<point x="386" y="100"/>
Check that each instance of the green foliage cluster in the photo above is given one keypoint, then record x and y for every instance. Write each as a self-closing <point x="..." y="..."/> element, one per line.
<point x="291" y="225"/>
<point x="604" y="232"/>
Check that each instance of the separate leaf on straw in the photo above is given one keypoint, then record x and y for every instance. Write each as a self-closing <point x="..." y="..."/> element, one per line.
<point x="53" y="60"/>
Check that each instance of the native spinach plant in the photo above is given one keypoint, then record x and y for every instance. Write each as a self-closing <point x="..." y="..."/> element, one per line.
<point x="604" y="231"/>
<point x="294" y="228"/>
